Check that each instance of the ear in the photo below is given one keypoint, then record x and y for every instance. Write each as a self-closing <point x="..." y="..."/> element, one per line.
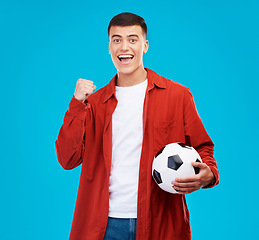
<point x="146" y="45"/>
<point x="109" y="47"/>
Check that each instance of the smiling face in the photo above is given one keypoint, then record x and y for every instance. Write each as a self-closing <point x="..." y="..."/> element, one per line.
<point x="126" y="46"/>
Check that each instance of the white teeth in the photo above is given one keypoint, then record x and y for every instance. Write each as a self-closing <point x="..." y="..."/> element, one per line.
<point x="125" y="56"/>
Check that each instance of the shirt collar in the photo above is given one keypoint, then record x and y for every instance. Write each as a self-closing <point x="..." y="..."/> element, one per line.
<point x="154" y="80"/>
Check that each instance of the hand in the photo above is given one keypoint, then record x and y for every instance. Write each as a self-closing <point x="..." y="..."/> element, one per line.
<point x="84" y="88"/>
<point x="191" y="184"/>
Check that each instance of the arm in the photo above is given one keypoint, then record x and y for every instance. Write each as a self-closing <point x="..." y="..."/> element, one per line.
<point x="199" y="139"/>
<point x="71" y="141"/>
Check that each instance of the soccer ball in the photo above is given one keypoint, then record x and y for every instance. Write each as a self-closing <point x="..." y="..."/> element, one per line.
<point x="174" y="161"/>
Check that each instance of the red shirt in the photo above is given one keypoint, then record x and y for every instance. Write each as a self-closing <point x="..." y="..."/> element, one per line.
<point x="86" y="137"/>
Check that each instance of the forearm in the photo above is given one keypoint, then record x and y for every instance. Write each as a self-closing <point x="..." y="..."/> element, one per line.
<point x="206" y="152"/>
<point x="199" y="138"/>
<point x="70" y="142"/>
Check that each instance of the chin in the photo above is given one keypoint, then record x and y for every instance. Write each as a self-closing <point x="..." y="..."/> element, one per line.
<point x="123" y="69"/>
<point x="127" y="70"/>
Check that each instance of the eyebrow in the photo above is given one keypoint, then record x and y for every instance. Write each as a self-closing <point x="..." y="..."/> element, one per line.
<point x="131" y="35"/>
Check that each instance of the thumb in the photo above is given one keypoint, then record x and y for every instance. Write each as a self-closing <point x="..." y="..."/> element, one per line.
<point x="199" y="164"/>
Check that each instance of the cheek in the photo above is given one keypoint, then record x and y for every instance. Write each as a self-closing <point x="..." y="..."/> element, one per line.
<point x="112" y="50"/>
<point x="141" y="50"/>
<point x="138" y="51"/>
<point x="113" y="56"/>
<point x="140" y="55"/>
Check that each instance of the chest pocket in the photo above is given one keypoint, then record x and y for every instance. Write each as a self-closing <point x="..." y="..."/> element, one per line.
<point x="163" y="132"/>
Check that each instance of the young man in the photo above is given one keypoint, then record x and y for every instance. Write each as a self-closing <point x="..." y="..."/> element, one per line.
<point x="115" y="134"/>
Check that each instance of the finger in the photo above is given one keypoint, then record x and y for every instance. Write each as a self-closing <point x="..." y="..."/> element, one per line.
<point x="185" y="190"/>
<point x="186" y="185"/>
<point x="199" y="165"/>
<point x="186" y="179"/>
<point x="86" y="84"/>
<point x="85" y="80"/>
<point x="86" y="87"/>
<point x="94" y="87"/>
<point x="84" y="91"/>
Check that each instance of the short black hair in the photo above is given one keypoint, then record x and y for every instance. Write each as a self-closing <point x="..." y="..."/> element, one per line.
<point x="128" y="19"/>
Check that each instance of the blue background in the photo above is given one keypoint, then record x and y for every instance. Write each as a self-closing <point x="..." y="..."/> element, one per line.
<point x="209" y="46"/>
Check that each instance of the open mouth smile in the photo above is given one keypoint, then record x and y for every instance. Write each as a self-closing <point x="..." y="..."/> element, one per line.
<point x="125" y="58"/>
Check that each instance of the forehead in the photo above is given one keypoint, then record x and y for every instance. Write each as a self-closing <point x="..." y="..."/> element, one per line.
<point x="126" y="30"/>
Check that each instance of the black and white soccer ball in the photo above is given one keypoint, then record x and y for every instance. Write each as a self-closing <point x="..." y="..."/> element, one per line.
<point x="174" y="161"/>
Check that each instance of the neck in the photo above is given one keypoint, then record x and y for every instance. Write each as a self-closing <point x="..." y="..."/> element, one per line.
<point x="134" y="78"/>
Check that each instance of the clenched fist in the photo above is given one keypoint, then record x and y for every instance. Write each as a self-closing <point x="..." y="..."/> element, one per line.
<point x="84" y="88"/>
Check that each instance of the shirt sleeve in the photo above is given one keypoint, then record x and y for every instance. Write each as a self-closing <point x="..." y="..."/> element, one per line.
<point x="197" y="136"/>
<point x="71" y="140"/>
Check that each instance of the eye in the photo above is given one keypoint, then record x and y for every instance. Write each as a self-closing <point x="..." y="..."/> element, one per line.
<point x="133" y="40"/>
<point x="116" y="40"/>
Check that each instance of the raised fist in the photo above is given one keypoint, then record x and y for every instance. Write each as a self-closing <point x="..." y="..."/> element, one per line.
<point x="84" y="88"/>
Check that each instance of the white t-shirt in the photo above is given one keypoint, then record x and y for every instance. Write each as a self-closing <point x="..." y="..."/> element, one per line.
<point x="127" y="137"/>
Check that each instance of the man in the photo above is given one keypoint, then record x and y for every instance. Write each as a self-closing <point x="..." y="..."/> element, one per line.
<point x="115" y="134"/>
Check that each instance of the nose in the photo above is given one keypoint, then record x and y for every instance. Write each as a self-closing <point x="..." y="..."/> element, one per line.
<point x="124" y="45"/>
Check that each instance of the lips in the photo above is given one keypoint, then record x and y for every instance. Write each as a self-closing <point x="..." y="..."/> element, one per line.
<point x="125" y="58"/>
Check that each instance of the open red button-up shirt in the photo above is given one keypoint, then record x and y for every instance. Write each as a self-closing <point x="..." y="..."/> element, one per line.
<point x="86" y="137"/>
